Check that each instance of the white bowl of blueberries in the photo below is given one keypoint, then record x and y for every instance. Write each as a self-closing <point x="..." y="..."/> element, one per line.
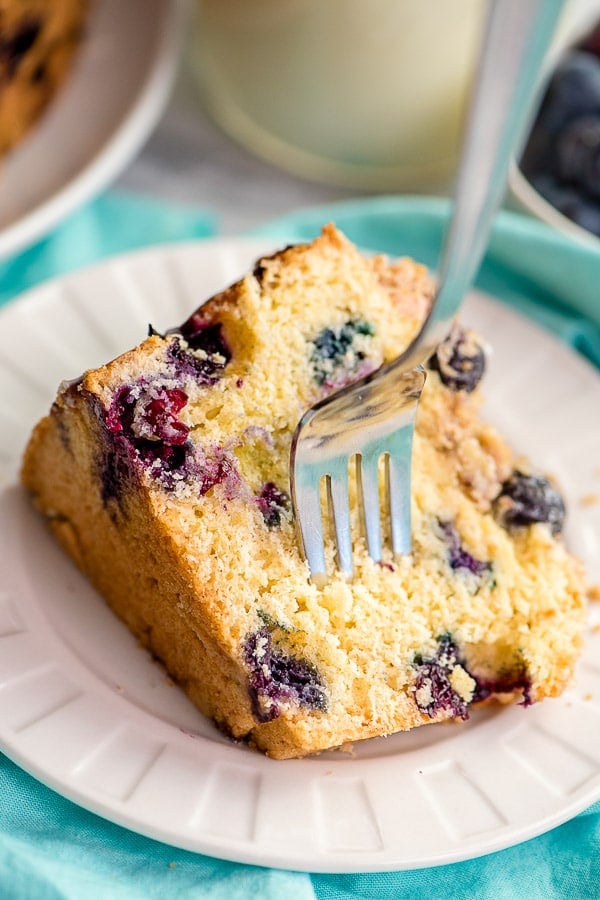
<point x="557" y="178"/>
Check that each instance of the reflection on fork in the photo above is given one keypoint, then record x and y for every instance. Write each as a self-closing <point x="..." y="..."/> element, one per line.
<point x="388" y="406"/>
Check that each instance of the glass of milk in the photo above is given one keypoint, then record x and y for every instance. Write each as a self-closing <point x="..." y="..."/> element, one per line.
<point x="368" y="95"/>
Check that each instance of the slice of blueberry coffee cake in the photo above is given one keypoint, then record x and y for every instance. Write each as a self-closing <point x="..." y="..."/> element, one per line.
<point x="165" y="475"/>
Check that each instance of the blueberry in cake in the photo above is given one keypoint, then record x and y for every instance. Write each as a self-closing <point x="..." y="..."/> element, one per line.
<point x="165" y="475"/>
<point x="38" y="39"/>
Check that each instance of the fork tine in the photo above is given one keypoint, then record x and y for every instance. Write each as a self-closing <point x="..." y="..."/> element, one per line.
<point x="398" y="488"/>
<point x="337" y="491"/>
<point x="369" y="421"/>
<point x="367" y="476"/>
<point x="309" y="520"/>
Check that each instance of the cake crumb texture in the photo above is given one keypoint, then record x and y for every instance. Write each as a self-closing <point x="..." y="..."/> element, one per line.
<point x="165" y="475"/>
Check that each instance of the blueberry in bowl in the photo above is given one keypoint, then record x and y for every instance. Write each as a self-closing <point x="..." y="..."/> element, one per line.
<point x="558" y="174"/>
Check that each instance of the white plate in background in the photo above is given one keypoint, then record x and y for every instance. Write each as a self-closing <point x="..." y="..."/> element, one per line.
<point x="98" y="120"/>
<point x="87" y="712"/>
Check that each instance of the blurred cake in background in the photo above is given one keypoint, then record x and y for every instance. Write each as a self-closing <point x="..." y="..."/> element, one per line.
<point x="38" y="39"/>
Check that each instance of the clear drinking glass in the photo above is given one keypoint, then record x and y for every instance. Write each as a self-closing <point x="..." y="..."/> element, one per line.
<point x="361" y="94"/>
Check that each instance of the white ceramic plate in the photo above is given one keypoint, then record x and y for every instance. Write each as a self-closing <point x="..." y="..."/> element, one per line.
<point x="86" y="711"/>
<point x="99" y="119"/>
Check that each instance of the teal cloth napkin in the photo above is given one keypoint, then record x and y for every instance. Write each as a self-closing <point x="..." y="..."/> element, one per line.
<point x="51" y="849"/>
<point x="114" y="223"/>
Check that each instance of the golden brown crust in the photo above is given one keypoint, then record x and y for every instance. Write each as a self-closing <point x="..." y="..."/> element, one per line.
<point x="142" y="580"/>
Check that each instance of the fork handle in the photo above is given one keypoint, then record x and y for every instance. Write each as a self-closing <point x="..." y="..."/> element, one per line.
<point x="517" y="35"/>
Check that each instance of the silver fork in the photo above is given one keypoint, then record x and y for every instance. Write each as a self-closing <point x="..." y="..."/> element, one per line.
<point x="374" y="417"/>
